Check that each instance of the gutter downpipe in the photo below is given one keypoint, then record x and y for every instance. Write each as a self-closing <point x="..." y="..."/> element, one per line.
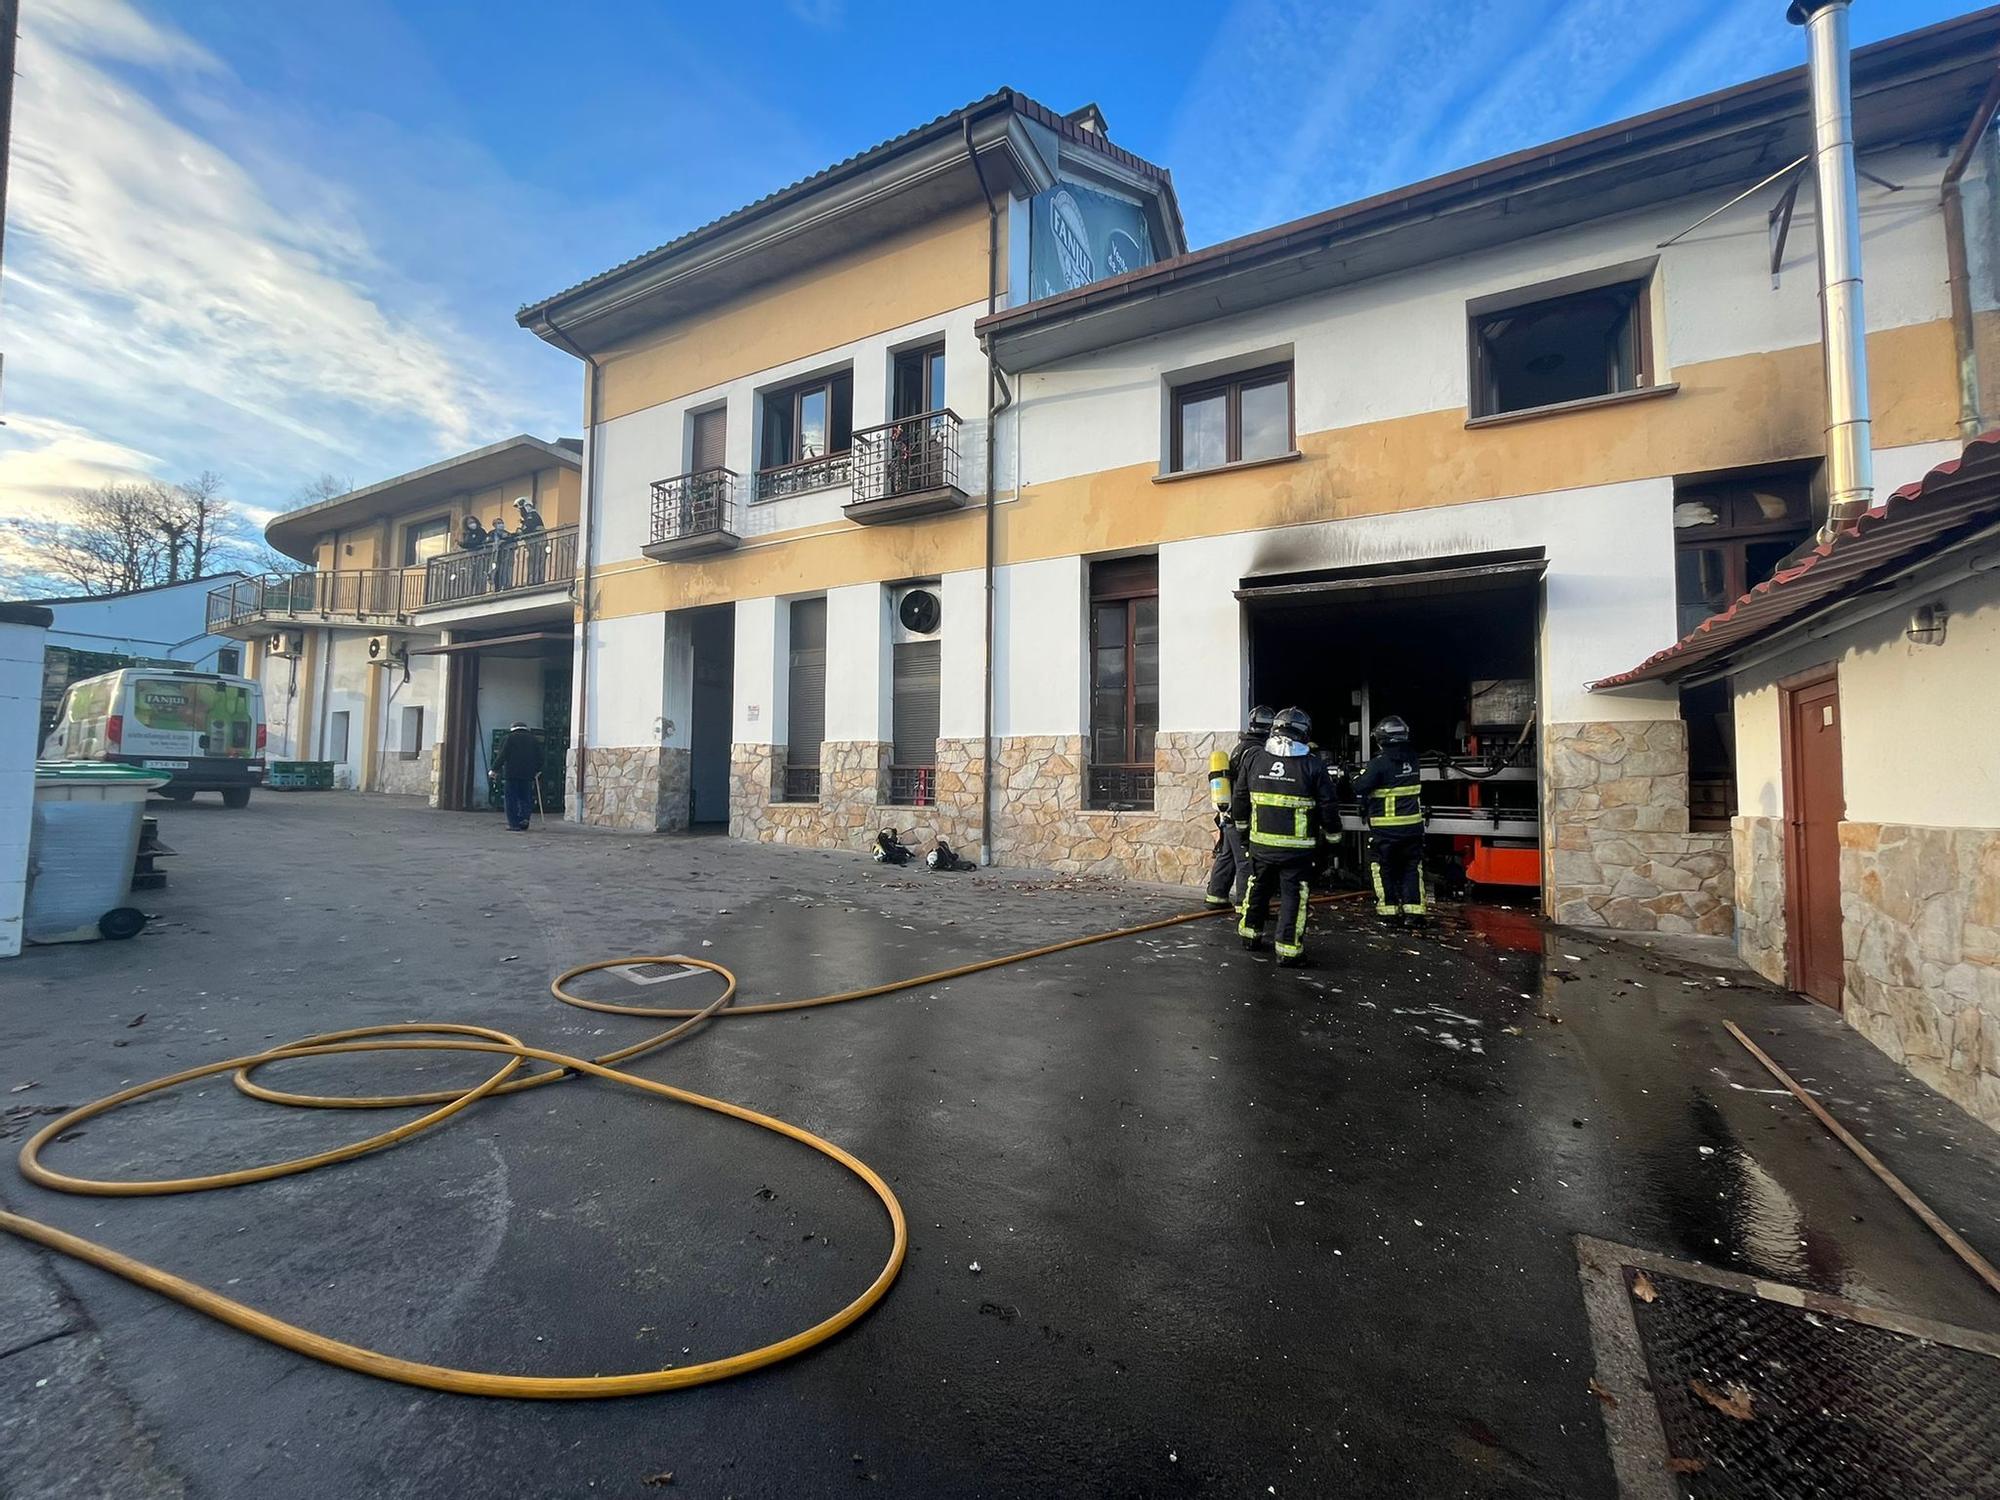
<point x="1850" y="459"/>
<point x="1958" y="276"/>
<point x="995" y="404"/>
<point x="585" y="542"/>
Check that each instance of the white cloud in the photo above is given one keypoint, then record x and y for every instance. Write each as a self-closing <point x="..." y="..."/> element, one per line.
<point x="114" y="31"/>
<point x="43" y="462"/>
<point x="1302" y="106"/>
<point x="160" y="297"/>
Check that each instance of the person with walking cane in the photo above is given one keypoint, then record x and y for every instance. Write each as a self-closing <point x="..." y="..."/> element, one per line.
<point x="518" y="767"/>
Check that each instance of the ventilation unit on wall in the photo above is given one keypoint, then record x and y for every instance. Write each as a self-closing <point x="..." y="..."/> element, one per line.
<point x="382" y="650"/>
<point x="286" y="643"/>
<point x="918" y="612"/>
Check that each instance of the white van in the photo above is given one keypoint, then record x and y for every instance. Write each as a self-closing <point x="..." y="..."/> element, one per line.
<point x="205" y="730"/>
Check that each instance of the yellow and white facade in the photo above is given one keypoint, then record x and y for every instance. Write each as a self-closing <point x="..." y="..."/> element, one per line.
<point x="1106" y="611"/>
<point x="394" y="652"/>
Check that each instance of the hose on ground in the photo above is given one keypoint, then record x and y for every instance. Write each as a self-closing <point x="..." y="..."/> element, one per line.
<point x="512" y="1055"/>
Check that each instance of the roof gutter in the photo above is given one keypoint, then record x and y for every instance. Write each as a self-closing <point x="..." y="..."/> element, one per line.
<point x="586" y="543"/>
<point x="1971" y="400"/>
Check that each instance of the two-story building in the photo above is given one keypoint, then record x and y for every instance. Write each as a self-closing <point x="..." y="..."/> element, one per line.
<point x="397" y="653"/>
<point x="782" y="624"/>
<point x="946" y="490"/>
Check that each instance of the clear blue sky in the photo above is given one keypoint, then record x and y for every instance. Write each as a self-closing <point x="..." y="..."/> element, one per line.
<point x="280" y="239"/>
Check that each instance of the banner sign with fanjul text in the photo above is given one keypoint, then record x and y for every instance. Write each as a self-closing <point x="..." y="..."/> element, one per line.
<point x="1076" y="236"/>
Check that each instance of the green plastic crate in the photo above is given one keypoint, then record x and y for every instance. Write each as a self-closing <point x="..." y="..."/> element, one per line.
<point x="300" y="776"/>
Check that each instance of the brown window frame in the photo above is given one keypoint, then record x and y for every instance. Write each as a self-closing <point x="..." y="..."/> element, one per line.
<point x="1639" y="312"/>
<point x="1232" y="387"/>
<point x="1120" y="581"/>
<point x="410" y="530"/>
<point x="794" y="396"/>
<point x="927" y="358"/>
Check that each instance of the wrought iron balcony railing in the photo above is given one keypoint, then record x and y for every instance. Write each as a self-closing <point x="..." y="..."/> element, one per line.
<point x="822" y="472"/>
<point x="376" y="596"/>
<point x="361" y="595"/>
<point x="691" y="507"/>
<point x="518" y="564"/>
<point x="909" y="456"/>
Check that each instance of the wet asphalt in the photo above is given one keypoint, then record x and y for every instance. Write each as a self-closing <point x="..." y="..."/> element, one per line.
<point x="1182" y="1223"/>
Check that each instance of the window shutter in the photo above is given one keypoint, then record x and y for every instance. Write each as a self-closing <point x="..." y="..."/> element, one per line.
<point x="914" y="707"/>
<point x="806" y="693"/>
<point x="710" y="433"/>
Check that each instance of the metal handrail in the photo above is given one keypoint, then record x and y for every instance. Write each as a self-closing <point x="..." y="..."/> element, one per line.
<point x="540" y="559"/>
<point x="907" y="456"/>
<point x="361" y="594"/>
<point x="818" y="473"/>
<point x="520" y="562"/>
<point x="703" y="503"/>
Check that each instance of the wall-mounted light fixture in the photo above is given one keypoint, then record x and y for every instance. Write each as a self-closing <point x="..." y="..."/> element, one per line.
<point x="1927" y="624"/>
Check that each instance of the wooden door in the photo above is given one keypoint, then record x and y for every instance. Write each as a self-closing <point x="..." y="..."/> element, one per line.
<point x="1814" y="805"/>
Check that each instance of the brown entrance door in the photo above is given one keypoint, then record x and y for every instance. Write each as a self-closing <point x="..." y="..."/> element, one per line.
<point x="1814" y="805"/>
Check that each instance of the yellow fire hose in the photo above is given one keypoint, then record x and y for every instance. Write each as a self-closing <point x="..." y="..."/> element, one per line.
<point x="448" y="1037"/>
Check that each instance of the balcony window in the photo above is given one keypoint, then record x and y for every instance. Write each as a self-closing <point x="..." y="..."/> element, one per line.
<point x="808" y="429"/>
<point x="919" y="382"/>
<point x="1124" y="682"/>
<point x="1236" y="420"/>
<point x="424" y="540"/>
<point x="1549" y="351"/>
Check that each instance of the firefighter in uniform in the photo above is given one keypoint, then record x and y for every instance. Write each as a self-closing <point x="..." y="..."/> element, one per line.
<point x="1282" y="804"/>
<point x="1229" y="874"/>
<point x="1391" y="795"/>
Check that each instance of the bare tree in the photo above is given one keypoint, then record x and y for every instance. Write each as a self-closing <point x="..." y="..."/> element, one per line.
<point x="321" y="487"/>
<point x="109" y="543"/>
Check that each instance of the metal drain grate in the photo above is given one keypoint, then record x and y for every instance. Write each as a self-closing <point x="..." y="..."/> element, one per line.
<point x="1837" y="1407"/>
<point x="1842" y="1400"/>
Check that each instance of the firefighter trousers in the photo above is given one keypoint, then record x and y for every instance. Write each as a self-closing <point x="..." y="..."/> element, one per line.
<point x="1396" y="861"/>
<point x="1291" y="878"/>
<point x="1229" y="872"/>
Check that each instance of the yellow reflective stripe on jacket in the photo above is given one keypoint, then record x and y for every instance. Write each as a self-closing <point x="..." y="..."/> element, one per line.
<point x="1396" y="806"/>
<point x="1299" y="807"/>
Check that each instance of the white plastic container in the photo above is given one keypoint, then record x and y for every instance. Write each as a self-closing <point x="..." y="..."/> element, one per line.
<point x="81" y="851"/>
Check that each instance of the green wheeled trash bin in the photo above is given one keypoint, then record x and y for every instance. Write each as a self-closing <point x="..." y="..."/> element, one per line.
<point x="82" y="848"/>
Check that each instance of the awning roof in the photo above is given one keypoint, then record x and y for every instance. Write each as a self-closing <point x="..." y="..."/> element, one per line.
<point x="1949" y="504"/>
<point x="526" y="643"/>
<point x="294" y="532"/>
<point x="1475" y="573"/>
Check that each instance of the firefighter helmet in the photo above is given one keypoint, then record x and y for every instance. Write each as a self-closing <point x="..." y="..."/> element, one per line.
<point x="1392" y="730"/>
<point x="1294" y="724"/>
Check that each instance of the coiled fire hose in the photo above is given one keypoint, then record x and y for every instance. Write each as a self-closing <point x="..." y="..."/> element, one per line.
<point x="513" y="1053"/>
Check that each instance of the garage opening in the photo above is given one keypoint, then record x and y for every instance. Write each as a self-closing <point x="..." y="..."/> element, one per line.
<point x="1448" y="643"/>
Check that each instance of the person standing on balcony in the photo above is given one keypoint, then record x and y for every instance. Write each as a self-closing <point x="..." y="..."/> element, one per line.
<point x="471" y="535"/>
<point x="518" y="766"/>
<point x="503" y="553"/>
<point x="535" y="552"/>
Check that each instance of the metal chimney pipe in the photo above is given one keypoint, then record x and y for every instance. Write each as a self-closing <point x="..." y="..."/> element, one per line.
<point x="1850" y="460"/>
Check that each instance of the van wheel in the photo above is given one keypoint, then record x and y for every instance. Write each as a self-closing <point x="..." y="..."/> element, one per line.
<point x="122" y="922"/>
<point x="236" y="796"/>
